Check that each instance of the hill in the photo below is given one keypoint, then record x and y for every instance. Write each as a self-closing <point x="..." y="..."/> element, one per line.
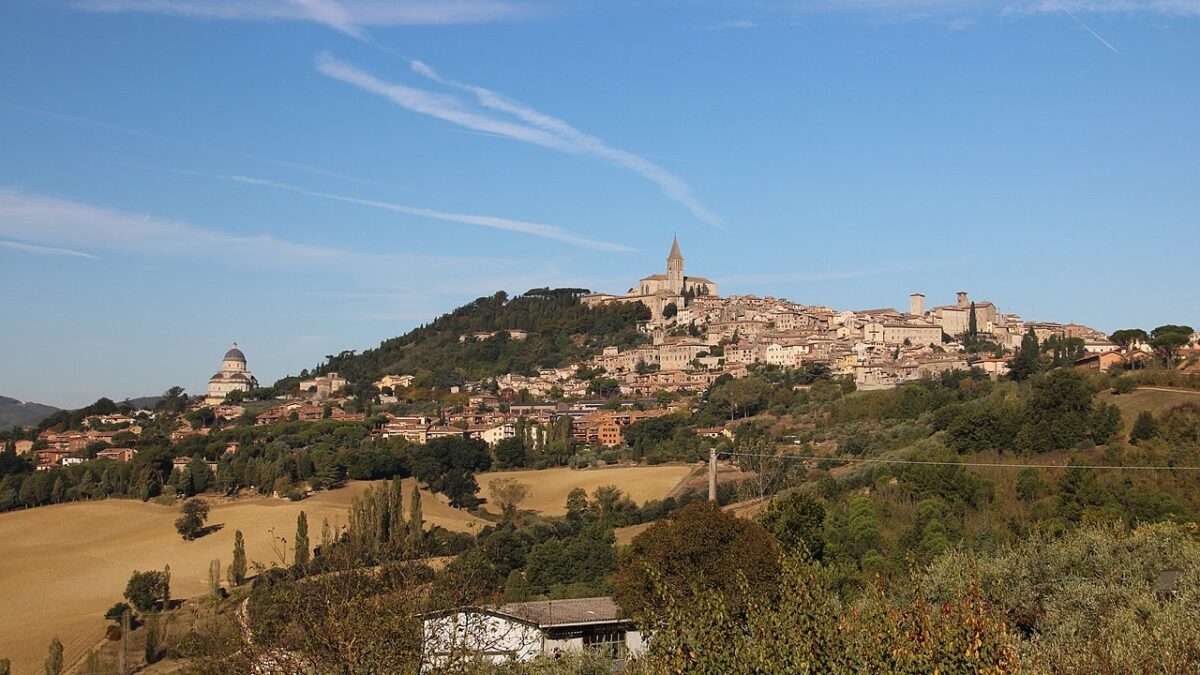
<point x="561" y="330"/>
<point x="14" y="413"/>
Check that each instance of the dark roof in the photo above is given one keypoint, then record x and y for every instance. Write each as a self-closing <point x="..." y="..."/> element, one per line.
<point x="546" y="613"/>
<point x="235" y="354"/>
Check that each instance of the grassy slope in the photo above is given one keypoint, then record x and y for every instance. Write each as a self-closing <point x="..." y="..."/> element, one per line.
<point x="1157" y="401"/>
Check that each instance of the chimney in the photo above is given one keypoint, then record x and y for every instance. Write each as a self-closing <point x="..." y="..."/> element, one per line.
<point x="916" y="304"/>
<point x="963" y="302"/>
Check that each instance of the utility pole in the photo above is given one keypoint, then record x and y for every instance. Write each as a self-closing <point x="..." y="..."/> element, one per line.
<point x="712" y="475"/>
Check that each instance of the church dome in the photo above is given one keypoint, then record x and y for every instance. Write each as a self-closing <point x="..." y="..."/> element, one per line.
<point x="235" y="354"/>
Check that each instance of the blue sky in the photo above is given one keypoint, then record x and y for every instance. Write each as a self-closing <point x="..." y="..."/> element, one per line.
<point x="307" y="176"/>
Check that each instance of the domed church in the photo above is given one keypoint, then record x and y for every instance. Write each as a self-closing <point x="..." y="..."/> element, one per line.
<point x="233" y="376"/>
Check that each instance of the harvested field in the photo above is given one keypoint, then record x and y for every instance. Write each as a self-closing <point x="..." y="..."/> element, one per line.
<point x="62" y="566"/>
<point x="1155" y="399"/>
<point x="551" y="486"/>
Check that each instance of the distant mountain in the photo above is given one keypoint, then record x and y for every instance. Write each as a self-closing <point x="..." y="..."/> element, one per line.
<point x="142" y="402"/>
<point x="21" y="413"/>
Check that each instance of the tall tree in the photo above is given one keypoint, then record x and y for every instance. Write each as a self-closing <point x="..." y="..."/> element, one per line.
<point x="1028" y="360"/>
<point x="302" y="550"/>
<point x="237" y="569"/>
<point x="54" y="660"/>
<point x="416" y="522"/>
<point x="972" y="322"/>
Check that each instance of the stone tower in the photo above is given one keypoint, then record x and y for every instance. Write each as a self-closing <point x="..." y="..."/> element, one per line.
<point x="675" y="267"/>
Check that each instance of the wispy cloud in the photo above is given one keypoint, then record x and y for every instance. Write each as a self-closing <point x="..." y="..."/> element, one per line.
<point x="347" y="16"/>
<point x="508" y="224"/>
<point x="523" y="124"/>
<point x="44" y="250"/>
<point x="53" y="221"/>
<point x="732" y="24"/>
<point x="67" y="118"/>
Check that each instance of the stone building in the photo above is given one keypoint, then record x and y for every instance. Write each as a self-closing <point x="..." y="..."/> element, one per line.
<point x="657" y="291"/>
<point x="233" y="376"/>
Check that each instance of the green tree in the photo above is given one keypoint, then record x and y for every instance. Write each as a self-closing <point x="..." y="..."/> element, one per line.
<point x="144" y="590"/>
<point x="152" y="651"/>
<point x="237" y="569"/>
<point x="1030" y="485"/>
<point x="54" y="660"/>
<point x="1167" y="340"/>
<point x="5" y="667"/>
<point x="301" y="547"/>
<point x="1028" y="360"/>
<point x="199" y="476"/>
<point x="191" y="524"/>
<point x="1145" y="427"/>
<point x="1105" y="422"/>
<point x="972" y="323"/>
<point x="511" y="453"/>
<point x="698" y="548"/>
<point x="797" y="520"/>
<point x="1127" y="338"/>
<point x="507" y="494"/>
<point x="416" y="531"/>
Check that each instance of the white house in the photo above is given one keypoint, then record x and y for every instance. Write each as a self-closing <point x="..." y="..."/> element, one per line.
<point x="522" y="631"/>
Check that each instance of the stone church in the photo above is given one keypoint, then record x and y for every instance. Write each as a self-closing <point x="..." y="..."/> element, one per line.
<point x="659" y="290"/>
<point x="233" y="376"/>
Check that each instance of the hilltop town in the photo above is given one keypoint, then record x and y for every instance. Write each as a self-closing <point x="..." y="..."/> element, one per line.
<point x="691" y="339"/>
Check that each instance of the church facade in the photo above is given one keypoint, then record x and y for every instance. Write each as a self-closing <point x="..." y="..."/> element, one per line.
<point x="657" y="291"/>
<point x="233" y="376"/>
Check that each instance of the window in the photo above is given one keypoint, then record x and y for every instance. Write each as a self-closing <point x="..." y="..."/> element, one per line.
<point x="610" y="643"/>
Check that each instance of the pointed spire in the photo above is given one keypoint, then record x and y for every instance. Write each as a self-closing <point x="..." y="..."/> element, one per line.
<point x="675" y="250"/>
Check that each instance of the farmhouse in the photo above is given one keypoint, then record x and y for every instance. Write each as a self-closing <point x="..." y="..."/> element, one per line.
<point x="521" y="631"/>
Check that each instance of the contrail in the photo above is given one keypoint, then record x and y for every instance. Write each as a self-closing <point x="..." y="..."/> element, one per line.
<point x="1094" y="33"/>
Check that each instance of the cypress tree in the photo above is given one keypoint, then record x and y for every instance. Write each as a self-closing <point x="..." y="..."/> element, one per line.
<point x="973" y="323"/>
<point x="416" y="521"/>
<point x="397" y="501"/>
<point x="237" y="569"/>
<point x="54" y="660"/>
<point x="302" y="539"/>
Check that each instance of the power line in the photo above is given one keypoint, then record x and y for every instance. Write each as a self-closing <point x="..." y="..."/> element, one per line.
<point x="879" y="460"/>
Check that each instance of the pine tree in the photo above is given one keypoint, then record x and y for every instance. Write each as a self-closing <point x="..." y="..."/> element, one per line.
<point x="302" y="539"/>
<point x="416" y="522"/>
<point x="237" y="569"/>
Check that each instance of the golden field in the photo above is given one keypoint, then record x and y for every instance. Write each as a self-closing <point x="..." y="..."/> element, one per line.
<point x="550" y="486"/>
<point x="62" y="566"/>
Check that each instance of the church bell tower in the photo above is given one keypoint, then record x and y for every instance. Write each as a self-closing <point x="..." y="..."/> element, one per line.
<point x="675" y="267"/>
